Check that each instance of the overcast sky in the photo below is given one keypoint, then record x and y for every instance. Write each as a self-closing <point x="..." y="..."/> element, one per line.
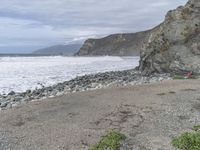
<point x="27" y="25"/>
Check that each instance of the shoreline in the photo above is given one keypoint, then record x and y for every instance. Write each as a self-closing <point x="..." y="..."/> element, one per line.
<point x="81" y="84"/>
<point x="149" y="115"/>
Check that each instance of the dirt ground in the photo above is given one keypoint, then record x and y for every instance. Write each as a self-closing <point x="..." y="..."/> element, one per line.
<point x="149" y="115"/>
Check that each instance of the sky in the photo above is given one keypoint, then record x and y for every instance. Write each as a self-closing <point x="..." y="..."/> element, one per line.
<point x="29" y="25"/>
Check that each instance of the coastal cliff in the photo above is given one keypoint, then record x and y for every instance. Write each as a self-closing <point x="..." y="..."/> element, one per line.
<point x="175" y="45"/>
<point x="115" y="45"/>
<point x="66" y="50"/>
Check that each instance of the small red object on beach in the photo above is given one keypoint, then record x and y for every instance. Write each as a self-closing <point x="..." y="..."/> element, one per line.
<point x="189" y="74"/>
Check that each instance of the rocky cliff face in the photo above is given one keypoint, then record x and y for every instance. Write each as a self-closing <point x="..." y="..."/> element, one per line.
<point x="174" y="46"/>
<point x="115" y="45"/>
<point x="67" y="50"/>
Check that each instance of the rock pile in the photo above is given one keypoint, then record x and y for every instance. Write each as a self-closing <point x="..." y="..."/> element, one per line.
<point x="84" y="83"/>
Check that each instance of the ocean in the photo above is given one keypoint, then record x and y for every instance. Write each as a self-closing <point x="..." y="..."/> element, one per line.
<point x="22" y="73"/>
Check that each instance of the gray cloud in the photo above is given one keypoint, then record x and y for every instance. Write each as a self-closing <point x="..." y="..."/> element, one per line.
<point x="41" y="23"/>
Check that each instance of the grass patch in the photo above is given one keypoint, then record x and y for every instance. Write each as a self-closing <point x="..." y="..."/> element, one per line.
<point x="196" y="128"/>
<point x="180" y="77"/>
<point x="187" y="141"/>
<point x="161" y="94"/>
<point x="189" y="90"/>
<point x="172" y="92"/>
<point x="193" y="77"/>
<point x="110" y="141"/>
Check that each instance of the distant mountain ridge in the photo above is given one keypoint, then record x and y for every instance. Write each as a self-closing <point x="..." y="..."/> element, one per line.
<point x="128" y="44"/>
<point x="66" y="50"/>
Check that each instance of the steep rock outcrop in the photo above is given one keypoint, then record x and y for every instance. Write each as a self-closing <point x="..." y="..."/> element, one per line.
<point x="174" y="46"/>
<point x="115" y="45"/>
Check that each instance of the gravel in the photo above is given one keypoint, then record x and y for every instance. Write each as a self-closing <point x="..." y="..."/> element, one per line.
<point x="83" y="83"/>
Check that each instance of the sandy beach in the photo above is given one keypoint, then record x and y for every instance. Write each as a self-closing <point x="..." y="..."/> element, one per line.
<point x="98" y="75"/>
<point x="149" y="115"/>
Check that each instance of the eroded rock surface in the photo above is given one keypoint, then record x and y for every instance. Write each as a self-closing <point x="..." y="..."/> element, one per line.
<point x="174" y="46"/>
<point x="115" y="45"/>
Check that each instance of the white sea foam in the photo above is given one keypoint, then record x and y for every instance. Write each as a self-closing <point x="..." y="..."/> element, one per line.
<point x="21" y="73"/>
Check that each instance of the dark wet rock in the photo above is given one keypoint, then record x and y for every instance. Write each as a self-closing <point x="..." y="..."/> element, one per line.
<point x="4" y="104"/>
<point x="18" y="98"/>
<point x="11" y="93"/>
<point x="28" y="91"/>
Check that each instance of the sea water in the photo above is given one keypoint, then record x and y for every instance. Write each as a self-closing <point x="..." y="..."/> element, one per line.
<point x="22" y="73"/>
